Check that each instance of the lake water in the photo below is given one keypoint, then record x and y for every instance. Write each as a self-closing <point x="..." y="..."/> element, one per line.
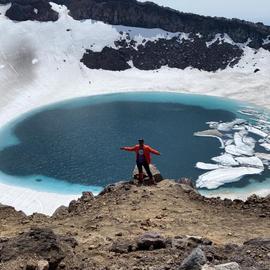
<point x="67" y="146"/>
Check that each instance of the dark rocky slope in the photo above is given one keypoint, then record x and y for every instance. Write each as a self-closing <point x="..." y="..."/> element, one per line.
<point x="164" y="52"/>
<point x="150" y="15"/>
<point x="127" y="226"/>
<point x="23" y="10"/>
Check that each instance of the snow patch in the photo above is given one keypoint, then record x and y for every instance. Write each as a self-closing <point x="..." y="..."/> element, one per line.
<point x="34" y="61"/>
<point x="266" y="40"/>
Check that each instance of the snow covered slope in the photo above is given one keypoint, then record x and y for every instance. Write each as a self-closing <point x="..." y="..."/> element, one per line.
<point x="40" y="64"/>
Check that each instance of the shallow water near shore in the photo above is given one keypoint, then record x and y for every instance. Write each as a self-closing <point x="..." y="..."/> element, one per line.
<point x="72" y="146"/>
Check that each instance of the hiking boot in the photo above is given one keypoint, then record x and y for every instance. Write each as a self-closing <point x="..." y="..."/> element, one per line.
<point x="152" y="182"/>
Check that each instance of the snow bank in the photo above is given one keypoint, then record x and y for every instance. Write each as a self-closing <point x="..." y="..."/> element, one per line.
<point x="31" y="201"/>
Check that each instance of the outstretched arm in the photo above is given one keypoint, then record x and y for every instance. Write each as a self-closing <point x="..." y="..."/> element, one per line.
<point x="154" y="151"/>
<point x="130" y="149"/>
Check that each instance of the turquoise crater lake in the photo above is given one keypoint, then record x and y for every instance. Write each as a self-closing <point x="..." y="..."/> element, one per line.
<point x="69" y="145"/>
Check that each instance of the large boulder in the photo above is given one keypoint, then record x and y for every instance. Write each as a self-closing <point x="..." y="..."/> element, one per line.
<point x="41" y="243"/>
<point x="39" y="10"/>
<point x="194" y="261"/>
<point x="154" y="170"/>
<point x="150" y="241"/>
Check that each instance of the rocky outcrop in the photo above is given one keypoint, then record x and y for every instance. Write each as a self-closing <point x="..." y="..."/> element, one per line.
<point x="194" y="261"/>
<point x="173" y="53"/>
<point x="150" y="15"/>
<point x="154" y="170"/>
<point x="146" y="15"/>
<point x="35" y="10"/>
<point x="38" y="243"/>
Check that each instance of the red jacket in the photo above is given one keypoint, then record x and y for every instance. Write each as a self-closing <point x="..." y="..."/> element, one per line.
<point x="147" y="150"/>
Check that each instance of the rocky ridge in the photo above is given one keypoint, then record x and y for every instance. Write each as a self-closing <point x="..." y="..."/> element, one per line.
<point x="211" y="43"/>
<point x="167" y="226"/>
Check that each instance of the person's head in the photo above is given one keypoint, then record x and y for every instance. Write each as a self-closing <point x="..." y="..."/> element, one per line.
<point x="141" y="142"/>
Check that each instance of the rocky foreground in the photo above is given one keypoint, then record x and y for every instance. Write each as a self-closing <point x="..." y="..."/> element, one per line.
<point x="167" y="226"/>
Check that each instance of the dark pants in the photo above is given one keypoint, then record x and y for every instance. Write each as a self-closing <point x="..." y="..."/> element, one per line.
<point x="140" y="166"/>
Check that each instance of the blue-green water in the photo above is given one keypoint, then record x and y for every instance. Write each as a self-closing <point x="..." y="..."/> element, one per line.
<point x="65" y="146"/>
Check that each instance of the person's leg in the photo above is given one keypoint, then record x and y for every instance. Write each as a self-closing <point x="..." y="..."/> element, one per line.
<point x="147" y="168"/>
<point x="140" y="169"/>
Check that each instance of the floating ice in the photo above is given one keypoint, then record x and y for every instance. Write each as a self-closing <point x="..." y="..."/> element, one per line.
<point x="207" y="166"/>
<point x="250" y="161"/>
<point x="242" y="140"/>
<point x="243" y="145"/>
<point x="239" y="158"/>
<point x="228" y="142"/>
<point x="239" y="151"/>
<point x="256" y="131"/>
<point x="263" y="156"/>
<point x="229" y="125"/>
<point x="219" y="177"/>
<point x="266" y="146"/>
<point x="226" y="160"/>
<point x="211" y="133"/>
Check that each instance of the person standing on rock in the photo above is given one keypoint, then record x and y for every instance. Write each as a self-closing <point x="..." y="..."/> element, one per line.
<point x="143" y="158"/>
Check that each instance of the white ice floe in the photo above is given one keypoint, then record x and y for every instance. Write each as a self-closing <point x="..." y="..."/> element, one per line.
<point x="213" y="125"/>
<point x="263" y="156"/>
<point x="207" y="166"/>
<point x="254" y="187"/>
<point x="243" y="145"/>
<point x="211" y="133"/>
<point x="243" y="141"/>
<point x="219" y="177"/>
<point x="266" y="146"/>
<point x="228" y="126"/>
<point x="225" y="160"/>
<point x="250" y="161"/>
<point x="256" y="131"/>
<point x="239" y="151"/>
<point x="228" y="142"/>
